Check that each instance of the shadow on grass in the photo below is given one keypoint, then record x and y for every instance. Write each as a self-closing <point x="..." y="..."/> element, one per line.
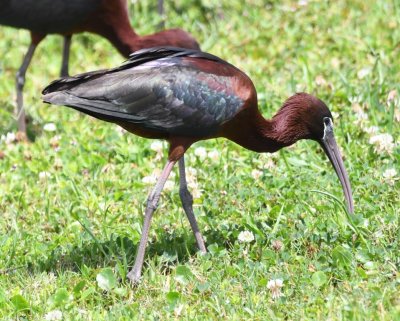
<point x="168" y="251"/>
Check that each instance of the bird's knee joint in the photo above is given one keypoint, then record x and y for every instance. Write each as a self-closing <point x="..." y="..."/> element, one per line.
<point x="20" y="79"/>
<point x="152" y="203"/>
<point x="185" y="195"/>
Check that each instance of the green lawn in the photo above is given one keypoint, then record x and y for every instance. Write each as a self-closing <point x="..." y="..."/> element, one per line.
<point x="72" y="201"/>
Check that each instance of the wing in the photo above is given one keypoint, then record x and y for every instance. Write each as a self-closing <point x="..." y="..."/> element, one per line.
<point x="167" y="95"/>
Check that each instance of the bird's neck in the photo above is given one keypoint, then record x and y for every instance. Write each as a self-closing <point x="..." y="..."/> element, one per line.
<point x="128" y="41"/>
<point x="111" y="21"/>
<point x="261" y="135"/>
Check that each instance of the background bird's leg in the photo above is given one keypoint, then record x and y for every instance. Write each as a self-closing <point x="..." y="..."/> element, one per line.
<point x="187" y="203"/>
<point x="65" y="57"/>
<point x="20" y="81"/>
<point x="161" y="12"/>
<point x="152" y="202"/>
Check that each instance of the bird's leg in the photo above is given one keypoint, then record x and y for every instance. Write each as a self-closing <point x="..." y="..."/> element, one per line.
<point x="65" y="57"/>
<point x="161" y="12"/>
<point x="20" y="81"/>
<point x="152" y="202"/>
<point x="187" y="203"/>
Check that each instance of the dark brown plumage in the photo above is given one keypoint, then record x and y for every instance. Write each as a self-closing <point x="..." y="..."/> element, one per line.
<point x="184" y="96"/>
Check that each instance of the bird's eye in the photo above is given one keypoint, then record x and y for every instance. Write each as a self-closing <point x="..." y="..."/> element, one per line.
<point x="327" y="121"/>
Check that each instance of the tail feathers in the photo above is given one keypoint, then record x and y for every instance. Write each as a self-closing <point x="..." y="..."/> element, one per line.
<point x="56" y="98"/>
<point x="64" y="98"/>
<point x="70" y="82"/>
<point x="97" y="108"/>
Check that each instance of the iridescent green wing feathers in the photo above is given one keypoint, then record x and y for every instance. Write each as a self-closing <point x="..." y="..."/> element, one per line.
<point x="155" y="90"/>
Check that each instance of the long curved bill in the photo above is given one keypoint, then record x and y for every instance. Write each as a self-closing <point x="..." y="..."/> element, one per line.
<point x="331" y="149"/>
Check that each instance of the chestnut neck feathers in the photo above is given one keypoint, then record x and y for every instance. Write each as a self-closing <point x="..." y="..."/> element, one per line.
<point x="300" y="117"/>
<point x="117" y="29"/>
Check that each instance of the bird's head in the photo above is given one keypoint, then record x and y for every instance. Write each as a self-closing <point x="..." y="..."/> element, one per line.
<point x="304" y="116"/>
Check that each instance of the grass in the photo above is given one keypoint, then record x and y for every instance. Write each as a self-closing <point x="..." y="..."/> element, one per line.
<point x="71" y="206"/>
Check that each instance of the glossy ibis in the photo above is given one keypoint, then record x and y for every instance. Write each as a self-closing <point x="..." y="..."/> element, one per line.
<point x="184" y="96"/>
<point x="107" y="18"/>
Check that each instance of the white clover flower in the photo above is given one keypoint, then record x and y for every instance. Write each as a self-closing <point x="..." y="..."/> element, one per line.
<point x="153" y="177"/>
<point x="302" y="3"/>
<point x="391" y="96"/>
<point x="356" y="105"/>
<point x="300" y="87"/>
<point x="383" y="143"/>
<point x="389" y="175"/>
<point x="169" y="185"/>
<point x="277" y="245"/>
<point x="192" y="185"/>
<point x="9" y="138"/>
<point x="150" y="179"/>
<point x="194" y="189"/>
<point x="121" y="131"/>
<point x="335" y="115"/>
<point x="213" y="155"/>
<point x="275" y="287"/>
<point x="269" y="164"/>
<point x="361" y="115"/>
<point x="191" y="173"/>
<point x="58" y="163"/>
<point x="397" y="115"/>
<point x="108" y="168"/>
<point x="319" y="80"/>
<point x="256" y="174"/>
<point x="362" y="73"/>
<point x="196" y="193"/>
<point x="82" y="311"/>
<point x="157" y="146"/>
<point x="50" y="127"/>
<point x="55" y="141"/>
<point x="200" y="152"/>
<point x="178" y="309"/>
<point x="246" y="237"/>
<point x="44" y="175"/>
<point x="54" y="315"/>
<point x="335" y="62"/>
<point x="356" y="99"/>
<point x="371" y="130"/>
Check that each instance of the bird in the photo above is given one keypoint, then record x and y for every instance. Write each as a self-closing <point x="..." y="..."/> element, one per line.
<point x="184" y="96"/>
<point x="107" y="18"/>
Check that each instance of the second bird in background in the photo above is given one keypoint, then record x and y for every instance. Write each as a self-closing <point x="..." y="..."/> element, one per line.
<point x="107" y="18"/>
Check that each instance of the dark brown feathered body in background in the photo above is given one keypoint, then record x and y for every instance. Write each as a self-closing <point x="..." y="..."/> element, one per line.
<point x="107" y="18"/>
<point x="184" y="96"/>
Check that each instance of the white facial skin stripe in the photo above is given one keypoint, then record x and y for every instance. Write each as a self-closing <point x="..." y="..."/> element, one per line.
<point x="328" y="127"/>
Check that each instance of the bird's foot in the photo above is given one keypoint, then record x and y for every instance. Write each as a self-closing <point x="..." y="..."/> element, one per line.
<point x="203" y="251"/>
<point x="21" y="137"/>
<point x="134" y="277"/>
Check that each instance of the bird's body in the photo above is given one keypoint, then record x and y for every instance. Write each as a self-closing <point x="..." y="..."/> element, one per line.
<point x="170" y="94"/>
<point x="107" y="18"/>
<point x="48" y="16"/>
<point x="184" y="96"/>
<point x="169" y="97"/>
